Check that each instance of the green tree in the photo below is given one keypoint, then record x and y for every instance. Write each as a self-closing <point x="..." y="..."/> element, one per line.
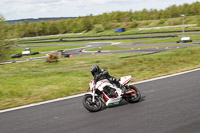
<point x="52" y="28"/>
<point x="85" y="24"/>
<point x="76" y="26"/>
<point x="68" y="25"/>
<point x="133" y="24"/>
<point x="98" y="28"/>
<point x="19" y="30"/>
<point x="107" y="20"/>
<point x="42" y="28"/>
<point x="61" y="26"/>
<point x="4" y="44"/>
<point x="198" y="23"/>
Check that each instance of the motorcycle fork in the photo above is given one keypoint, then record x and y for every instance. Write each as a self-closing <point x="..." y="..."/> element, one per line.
<point x="93" y="96"/>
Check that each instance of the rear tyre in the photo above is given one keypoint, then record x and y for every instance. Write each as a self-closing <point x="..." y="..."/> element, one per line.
<point x="89" y="105"/>
<point x="136" y="98"/>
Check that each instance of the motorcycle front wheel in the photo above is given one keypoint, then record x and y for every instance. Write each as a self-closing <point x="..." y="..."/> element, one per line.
<point x="136" y="96"/>
<point x="89" y="105"/>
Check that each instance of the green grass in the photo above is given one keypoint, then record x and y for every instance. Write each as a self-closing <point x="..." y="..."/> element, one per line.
<point x="168" y="40"/>
<point x="32" y="56"/>
<point x="43" y="49"/>
<point x="34" y="81"/>
<point x="46" y="49"/>
<point x="151" y="41"/>
<point x="87" y="36"/>
<point x="114" y="48"/>
<point x="49" y="43"/>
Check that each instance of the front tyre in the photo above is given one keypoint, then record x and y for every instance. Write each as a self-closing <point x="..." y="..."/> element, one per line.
<point x="136" y="96"/>
<point x="89" y="105"/>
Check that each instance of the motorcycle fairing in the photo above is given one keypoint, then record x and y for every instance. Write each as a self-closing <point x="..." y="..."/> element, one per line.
<point x="102" y="83"/>
<point x="114" y="101"/>
<point x="91" y="84"/>
<point x="125" y="80"/>
<point x="110" y="101"/>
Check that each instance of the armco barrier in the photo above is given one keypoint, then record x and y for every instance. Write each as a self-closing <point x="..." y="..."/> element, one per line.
<point x="56" y="39"/>
<point x="110" y="38"/>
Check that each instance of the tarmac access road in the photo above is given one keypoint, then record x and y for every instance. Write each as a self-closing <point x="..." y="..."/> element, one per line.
<point x="76" y="51"/>
<point x="168" y="105"/>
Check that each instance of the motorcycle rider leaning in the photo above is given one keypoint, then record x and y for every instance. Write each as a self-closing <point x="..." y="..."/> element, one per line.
<point x="100" y="74"/>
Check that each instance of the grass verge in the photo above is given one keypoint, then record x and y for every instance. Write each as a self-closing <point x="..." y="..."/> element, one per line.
<point x="43" y="49"/>
<point x="148" y="41"/>
<point x="169" y="40"/>
<point x="29" y="82"/>
<point x="46" y="49"/>
<point x="114" y="48"/>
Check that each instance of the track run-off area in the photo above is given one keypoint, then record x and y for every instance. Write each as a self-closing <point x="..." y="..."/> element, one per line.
<point x="76" y="51"/>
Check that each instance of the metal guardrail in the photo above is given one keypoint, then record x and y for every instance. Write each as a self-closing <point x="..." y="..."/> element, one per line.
<point x="108" y="38"/>
<point x="58" y="39"/>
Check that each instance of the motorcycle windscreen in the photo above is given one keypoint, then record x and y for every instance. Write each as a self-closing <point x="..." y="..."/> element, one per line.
<point x="125" y="80"/>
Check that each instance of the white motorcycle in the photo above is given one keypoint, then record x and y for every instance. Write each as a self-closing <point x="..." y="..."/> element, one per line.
<point x="100" y="94"/>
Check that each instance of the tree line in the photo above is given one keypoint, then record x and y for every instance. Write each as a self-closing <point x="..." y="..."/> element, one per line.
<point x="101" y="22"/>
<point x="5" y="46"/>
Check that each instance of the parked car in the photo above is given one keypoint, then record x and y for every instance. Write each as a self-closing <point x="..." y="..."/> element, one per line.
<point x="184" y="40"/>
<point x="27" y="51"/>
<point x="16" y="56"/>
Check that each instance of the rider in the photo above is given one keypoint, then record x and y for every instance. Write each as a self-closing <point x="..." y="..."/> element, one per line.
<point x="100" y="74"/>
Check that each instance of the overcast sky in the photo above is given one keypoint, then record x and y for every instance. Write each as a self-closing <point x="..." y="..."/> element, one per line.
<point x="19" y="9"/>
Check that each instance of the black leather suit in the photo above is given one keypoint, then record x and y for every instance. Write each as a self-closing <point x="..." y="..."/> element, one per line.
<point x="105" y="75"/>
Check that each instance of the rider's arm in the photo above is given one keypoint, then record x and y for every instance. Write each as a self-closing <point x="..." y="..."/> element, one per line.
<point x="97" y="78"/>
<point x="107" y="76"/>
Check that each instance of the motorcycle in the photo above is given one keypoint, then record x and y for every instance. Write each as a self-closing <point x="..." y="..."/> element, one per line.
<point x="100" y="94"/>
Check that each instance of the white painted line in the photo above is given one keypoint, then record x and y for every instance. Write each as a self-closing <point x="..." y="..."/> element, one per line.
<point x="36" y="104"/>
<point x="163" y="77"/>
<point x="70" y="97"/>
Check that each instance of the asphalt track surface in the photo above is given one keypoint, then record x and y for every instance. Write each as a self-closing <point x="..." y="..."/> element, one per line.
<point x="169" y="105"/>
<point x="76" y="51"/>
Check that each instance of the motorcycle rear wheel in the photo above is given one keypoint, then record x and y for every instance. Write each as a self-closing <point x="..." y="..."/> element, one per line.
<point x="136" y="98"/>
<point x="89" y="105"/>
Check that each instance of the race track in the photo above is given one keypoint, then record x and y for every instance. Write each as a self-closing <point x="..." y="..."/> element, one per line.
<point x="169" y="105"/>
<point x="75" y="52"/>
